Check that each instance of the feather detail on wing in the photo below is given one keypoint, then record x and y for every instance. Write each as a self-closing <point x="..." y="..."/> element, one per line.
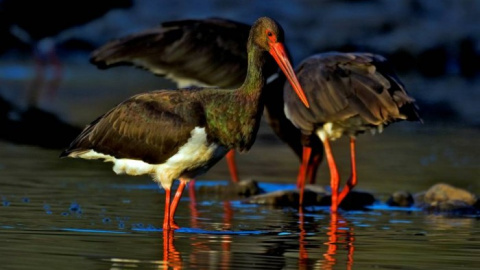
<point x="209" y="52"/>
<point x="343" y="86"/>
<point x="148" y="127"/>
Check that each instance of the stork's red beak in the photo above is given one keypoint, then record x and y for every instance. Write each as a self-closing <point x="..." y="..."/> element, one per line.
<point x="278" y="52"/>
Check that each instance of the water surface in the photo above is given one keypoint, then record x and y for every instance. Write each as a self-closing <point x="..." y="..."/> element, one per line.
<point x="77" y="214"/>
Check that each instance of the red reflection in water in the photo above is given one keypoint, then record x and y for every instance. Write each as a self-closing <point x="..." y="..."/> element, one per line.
<point x="193" y="204"/>
<point x="303" y="255"/>
<point x="194" y="216"/>
<point x="339" y="233"/>
<point x="226" y="239"/>
<point x="201" y="245"/>
<point x="171" y="257"/>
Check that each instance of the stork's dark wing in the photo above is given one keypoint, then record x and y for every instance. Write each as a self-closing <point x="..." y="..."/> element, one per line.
<point x="344" y="85"/>
<point x="149" y="127"/>
<point x="211" y="51"/>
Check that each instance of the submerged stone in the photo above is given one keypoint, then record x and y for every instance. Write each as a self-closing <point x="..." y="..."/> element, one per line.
<point x="444" y="193"/>
<point x="244" y="188"/>
<point x="285" y="198"/>
<point x="439" y="198"/>
<point x="357" y="200"/>
<point x="401" y="198"/>
<point x="447" y="198"/>
<point x="313" y="195"/>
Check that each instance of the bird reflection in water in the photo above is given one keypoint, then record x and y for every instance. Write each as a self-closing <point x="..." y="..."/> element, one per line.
<point x="171" y="257"/>
<point x="201" y="245"/>
<point x="339" y="233"/>
<point x="303" y="254"/>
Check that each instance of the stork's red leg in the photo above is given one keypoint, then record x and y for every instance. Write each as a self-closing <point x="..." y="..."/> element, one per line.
<point x="302" y="174"/>
<point x="232" y="165"/>
<point x="352" y="181"/>
<point x="193" y="203"/>
<point x="191" y="190"/>
<point x="302" y="171"/>
<point x="334" y="177"/>
<point x="166" y="218"/>
<point x="175" y="201"/>
<point x="312" y="168"/>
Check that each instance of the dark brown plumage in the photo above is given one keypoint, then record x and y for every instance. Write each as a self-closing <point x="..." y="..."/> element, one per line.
<point x="179" y="134"/>
<point x="357" y="91"/>
<point x="148" y="127"/>
<point x="205" y="52"/>
<point x="349" y="94"/>
<point x="208" y="52"/>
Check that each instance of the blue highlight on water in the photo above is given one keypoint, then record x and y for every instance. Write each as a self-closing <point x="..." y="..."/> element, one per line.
<point x="202" y="231"/>
<point x="271" y="187"/>
<point x="75" y="207"/>
<point x="91" y="231"/>
<point x="46" y="207"/>
<point x="15" y="72"/>
<point x="383" y="206"/>
<point x="121" y="225"/>
<point x="395" y="221"/>
<point x="106" y="220"/>
<point x="267" y="187"/>
<point x="151" y="228"/>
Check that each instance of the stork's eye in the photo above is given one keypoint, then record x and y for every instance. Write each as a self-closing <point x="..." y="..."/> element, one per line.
<point x="271" y="36"/>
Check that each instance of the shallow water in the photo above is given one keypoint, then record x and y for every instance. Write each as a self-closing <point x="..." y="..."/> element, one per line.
<point x="77" y="214"/>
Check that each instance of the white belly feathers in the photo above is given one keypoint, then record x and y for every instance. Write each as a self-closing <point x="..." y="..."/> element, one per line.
<point x="191" y="155"/>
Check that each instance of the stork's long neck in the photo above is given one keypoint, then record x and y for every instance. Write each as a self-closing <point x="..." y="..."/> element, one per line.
<point x="235" y="123"/>
<point x="255" y="79"/>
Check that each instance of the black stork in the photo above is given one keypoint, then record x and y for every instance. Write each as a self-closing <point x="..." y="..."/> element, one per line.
<point x="206" y="42"/>
<point x="206" y="52"/>
<point x="179" y="134"/>
<point x="349" y="93"/>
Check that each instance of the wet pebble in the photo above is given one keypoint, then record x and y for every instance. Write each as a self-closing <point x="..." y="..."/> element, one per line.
<point x="283" y="198"/>
<point x="313" y="195"/>
<point x="439" y="198"/>
<point x="244" y="188"/>
<point x="401" y="198"/>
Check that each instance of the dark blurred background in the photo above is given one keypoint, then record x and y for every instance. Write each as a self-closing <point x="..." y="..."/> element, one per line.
<point x="45" y="46"/>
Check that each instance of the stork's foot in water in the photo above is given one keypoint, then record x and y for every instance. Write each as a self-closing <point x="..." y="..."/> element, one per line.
<point x="244" y="188"/>
<point x="170" y="225"/>
<point x="173" y="225"/>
